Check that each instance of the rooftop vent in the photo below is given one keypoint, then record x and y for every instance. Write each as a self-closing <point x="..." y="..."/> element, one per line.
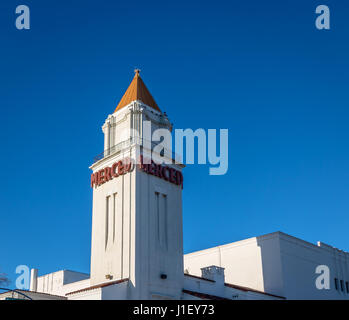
<point x="213" y="273"/>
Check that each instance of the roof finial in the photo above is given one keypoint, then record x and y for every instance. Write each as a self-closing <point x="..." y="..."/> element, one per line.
<point x="137" y="71"/>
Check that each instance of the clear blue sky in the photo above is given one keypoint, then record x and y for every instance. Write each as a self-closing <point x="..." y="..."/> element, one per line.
<point x="259" y="68"/>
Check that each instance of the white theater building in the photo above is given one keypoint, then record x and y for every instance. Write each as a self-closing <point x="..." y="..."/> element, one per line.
<point x="137" y="240"/>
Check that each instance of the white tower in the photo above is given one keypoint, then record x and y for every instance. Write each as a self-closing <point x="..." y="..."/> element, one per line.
<point x="137" y="210"/>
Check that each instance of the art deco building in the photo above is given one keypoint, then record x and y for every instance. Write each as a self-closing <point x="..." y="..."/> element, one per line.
<point x="137" y="240"/>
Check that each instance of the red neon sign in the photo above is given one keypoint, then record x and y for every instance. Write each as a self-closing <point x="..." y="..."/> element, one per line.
<point x="163" y="172"/>
<point x="108" y="173"/>
<point x="126" y="165"/>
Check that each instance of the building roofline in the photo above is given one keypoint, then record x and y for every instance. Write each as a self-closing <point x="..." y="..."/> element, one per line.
<point x="320" y="245"/>
<point x="102" y="285"/>
<point x="203" y="295"/>
<point x="234" y="286"/>
<point x="247" y="289"/>
<point x="63" y="271"/>
<point x="197" y="277"/>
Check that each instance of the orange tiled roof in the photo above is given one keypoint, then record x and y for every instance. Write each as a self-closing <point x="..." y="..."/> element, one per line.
<point x="137" y="91"/>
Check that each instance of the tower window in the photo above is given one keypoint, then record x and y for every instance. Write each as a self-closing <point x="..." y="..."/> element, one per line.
<point x="161" y="217"/>
<point x="347" y="286"/>
<point x="107" y="208"/>
<point x="114" y="215"/>
<point x="342" y="285"/>
<point x="336" y="283"/>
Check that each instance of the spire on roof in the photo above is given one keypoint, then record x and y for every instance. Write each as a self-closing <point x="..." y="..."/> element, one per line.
<point x="137" y="91"/>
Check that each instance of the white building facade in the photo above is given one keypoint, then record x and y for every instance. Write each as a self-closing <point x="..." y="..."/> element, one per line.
<point x="279" y="264"/>
<point x="137" y="238"/>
